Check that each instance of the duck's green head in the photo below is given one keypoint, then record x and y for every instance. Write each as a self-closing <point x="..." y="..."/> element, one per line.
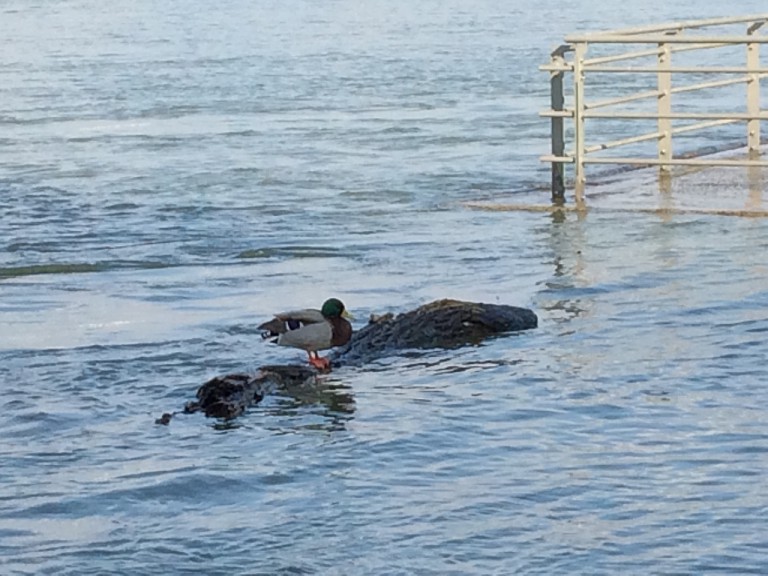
<point x="333" y="308"/>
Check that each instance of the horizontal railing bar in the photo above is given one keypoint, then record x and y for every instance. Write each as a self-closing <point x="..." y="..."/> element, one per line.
<point x="648" y="52"/>
<point x="686" y="24"/>
<point x="622" y="100"/>
<point x="654" y="161"/>
<point x="568" y="66"/>
<point x="702" y="126"/>
<point x="655" y="93"/>
<point x="557" y="159"/>
<point x="675" y="161"/>
<point x="564" y="67"/>
<point x="667" y="39"/>
<point x="735" y="117"/>
<point x="568" y="113"/>
<point x="655" y="135"/>
<point x="689" y="47"/>
<point x="706" y="85"/>
<point x="678" y="69"/>
<point x="763" y="72"/>
<point x="622" y="142"/>
<point x="676" y="116"/>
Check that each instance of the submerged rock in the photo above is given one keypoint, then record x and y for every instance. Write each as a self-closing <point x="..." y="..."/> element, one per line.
<point x="228" y="396"/>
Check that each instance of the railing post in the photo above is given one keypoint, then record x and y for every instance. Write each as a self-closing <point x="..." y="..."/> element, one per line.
<point x="753" y="94"/>
<point x="557" y="98"/>
<point x="664" y="84"/>
<point x="578" y="119"/>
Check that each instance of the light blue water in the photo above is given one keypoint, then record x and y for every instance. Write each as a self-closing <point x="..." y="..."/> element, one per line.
<point x="172" y="174"/>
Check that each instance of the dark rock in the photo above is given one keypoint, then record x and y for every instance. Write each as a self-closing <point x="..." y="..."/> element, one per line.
<point x="440" y="324"/>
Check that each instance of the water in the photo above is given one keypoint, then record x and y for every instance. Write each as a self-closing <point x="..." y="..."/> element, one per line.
<point x="173" y="174"/>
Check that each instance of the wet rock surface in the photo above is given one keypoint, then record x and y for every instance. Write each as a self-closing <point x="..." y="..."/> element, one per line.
<point x="440" y="324"/>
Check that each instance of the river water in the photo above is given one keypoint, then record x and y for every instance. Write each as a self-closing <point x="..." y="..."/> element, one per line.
<point x="172" y="173"/>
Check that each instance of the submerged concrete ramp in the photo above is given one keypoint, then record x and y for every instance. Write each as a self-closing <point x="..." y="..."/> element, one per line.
<point x="719" y="190"/>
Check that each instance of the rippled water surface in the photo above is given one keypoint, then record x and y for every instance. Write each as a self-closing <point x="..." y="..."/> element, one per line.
<point x="172" y="173"/>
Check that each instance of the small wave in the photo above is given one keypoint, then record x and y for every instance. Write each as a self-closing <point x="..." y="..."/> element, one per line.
<point x="290" y="251"/>
<point x="402" y="130"/>
<point x="122" y="206"/>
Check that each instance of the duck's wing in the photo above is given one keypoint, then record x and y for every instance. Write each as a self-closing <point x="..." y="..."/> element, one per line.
<point x="289" y="321"/>
<point x="308" y="316"/>
<point x="309" y="337"/>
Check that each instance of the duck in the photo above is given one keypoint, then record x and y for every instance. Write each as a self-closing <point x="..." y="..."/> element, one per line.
<point x="311" y="330"/>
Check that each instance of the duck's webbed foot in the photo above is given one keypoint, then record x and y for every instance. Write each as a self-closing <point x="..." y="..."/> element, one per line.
<point x="322" y="364"/>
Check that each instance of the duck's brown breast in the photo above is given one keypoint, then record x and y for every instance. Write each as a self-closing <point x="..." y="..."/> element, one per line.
<point x="341" y="331"/>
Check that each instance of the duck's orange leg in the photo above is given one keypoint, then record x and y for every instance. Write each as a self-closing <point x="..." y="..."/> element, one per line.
<point x="322" y="364"/>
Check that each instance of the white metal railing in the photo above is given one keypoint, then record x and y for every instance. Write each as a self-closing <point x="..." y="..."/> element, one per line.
<point x="665" y="41"/>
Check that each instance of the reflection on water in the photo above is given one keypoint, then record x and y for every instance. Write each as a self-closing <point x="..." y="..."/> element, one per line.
<point x="333" y="394"/>
<point x="756" y="185"/>
<point x="565" y="237"/>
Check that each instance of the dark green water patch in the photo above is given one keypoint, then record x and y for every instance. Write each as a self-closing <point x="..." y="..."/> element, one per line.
<point x="77" y="268"/>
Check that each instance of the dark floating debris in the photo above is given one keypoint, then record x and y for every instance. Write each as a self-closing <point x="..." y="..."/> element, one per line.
<point x="165" y="419"/>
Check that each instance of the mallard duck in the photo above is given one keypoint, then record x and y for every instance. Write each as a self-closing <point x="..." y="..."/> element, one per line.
<point x="311" y="330"/>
